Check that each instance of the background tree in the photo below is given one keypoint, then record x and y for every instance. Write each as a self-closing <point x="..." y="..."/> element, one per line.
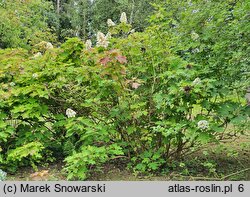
<point x="24" y="23"/>
<point x="213" y="34"/>
<point x="83" y="18"/>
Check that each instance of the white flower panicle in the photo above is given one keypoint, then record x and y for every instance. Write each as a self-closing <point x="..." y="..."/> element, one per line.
<point x="49" y="45"/>
<point x="194" y="35"/>
<point x="110" y="23"/>
<point x="108" y="35"/>
<point x="102" y="40"/>
<point x="70" y="113"/>
<point x="12" y="84"/>
<point x="203" y="124"/>
<point x="196" y="81"/>
<point x="88" y="44"/>
<point x="37" y="55"/>
<point x="123" y="18"/>
<point x="132" y="31"/>
<point x="35" y="75"/>
<point x="196" y="50"/>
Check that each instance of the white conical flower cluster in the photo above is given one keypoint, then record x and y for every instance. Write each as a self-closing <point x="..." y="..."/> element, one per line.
<point x="37" y="55"/>
<point x="203" y="124"/>
<point x="35" y="75"/>
<point x="110" y="23"/>
<point x="132" y="31"/>
<point x="102" y="40"/>
<point x="70" y="113"/>
<point x="108" y="35"/>
<point x="196" y="81"/>
<point x="123" y="18"/>
<point x="49" y="45"/>
<point x="194" y="35"/>
<point x="12" y="84"/>
<point x="88" y="44"/>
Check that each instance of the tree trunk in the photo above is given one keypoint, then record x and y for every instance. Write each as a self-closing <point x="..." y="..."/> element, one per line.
<point x="58" y="6"/>
<point x="132" y="12"/>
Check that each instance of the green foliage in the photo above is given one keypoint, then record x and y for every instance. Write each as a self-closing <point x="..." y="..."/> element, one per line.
<point x="2" y="175"/>
<point x="137" y="12"/>
<point x="24" y="23"/>
<point x="30" y="152"/>
<point x="84" y="18"/>
<point x="79" y="163"/>
<point x="212" y="34"/>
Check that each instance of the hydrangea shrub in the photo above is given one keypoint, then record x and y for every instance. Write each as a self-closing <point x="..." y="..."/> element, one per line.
<point x="132" y="95"/>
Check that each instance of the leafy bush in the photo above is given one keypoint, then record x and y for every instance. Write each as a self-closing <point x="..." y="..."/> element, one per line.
<point x="132" y="95"/>
<point x="2" y="175"/>
<point x="24" y="23"/>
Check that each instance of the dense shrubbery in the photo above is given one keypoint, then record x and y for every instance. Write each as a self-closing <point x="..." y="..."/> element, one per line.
<point x="2" y="175"/>
<point x="25" y="23"/>
<point x="142" y="98"/>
